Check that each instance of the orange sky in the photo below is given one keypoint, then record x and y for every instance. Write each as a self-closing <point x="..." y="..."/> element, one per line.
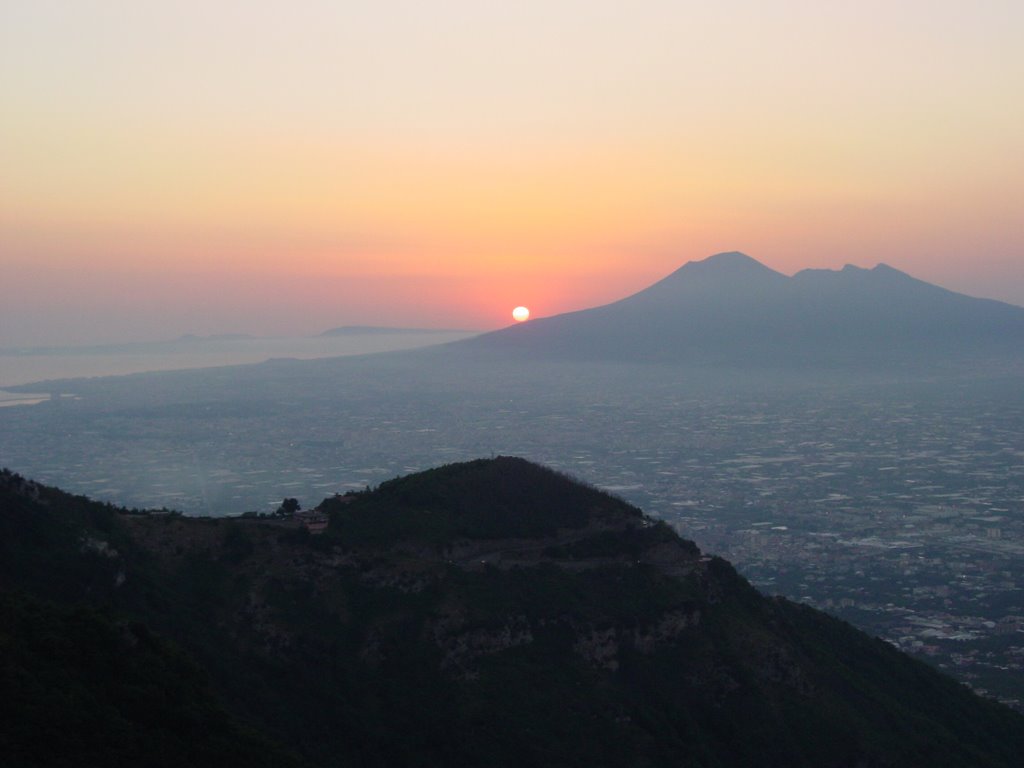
<point x="250" y="167"/>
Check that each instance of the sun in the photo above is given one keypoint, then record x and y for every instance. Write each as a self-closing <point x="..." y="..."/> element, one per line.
<point x="520" y="314"/>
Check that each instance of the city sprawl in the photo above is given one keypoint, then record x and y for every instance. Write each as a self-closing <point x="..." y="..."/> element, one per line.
<point x="898" y="508"/>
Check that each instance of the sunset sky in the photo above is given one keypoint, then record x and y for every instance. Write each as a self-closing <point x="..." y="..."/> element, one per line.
<point x="277" y="168"/>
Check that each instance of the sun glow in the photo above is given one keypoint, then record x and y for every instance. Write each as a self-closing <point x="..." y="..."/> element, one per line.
<point x="520" y="314"/>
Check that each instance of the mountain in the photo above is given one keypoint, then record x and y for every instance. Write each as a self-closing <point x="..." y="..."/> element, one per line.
<point x="730" y="310"/>
<point x="490" y="612"/>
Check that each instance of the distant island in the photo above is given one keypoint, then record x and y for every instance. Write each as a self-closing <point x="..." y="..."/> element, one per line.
<point x="370" y="330"/>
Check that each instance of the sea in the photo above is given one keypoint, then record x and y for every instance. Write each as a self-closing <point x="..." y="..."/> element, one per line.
<point x="25" y="366"/>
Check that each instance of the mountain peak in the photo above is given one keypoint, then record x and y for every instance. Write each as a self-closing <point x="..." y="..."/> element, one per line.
<point x="886" y="270"/>
<point x="736" y="257"/>
<point x="732" y="268"/>
<point x="502" y="497"/>
<point x="731" y="261"/>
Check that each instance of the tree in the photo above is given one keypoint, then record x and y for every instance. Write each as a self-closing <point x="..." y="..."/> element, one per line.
<point x="288" y="508"/>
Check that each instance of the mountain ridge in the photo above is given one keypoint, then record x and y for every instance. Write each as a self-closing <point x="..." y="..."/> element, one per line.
<point x="436" y="621"/>
<point x="729" y="310"/>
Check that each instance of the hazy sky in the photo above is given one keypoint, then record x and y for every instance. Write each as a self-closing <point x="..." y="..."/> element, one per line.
<point x="204" y="167"/>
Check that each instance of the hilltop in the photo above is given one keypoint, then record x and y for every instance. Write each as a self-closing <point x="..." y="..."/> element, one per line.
<point x="492" y="611"/>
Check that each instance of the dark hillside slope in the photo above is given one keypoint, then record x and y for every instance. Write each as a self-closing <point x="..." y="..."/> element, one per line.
<point x="83" y="688"/>
<point x="495" y="612"/>
<point x="85" y="685"/>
